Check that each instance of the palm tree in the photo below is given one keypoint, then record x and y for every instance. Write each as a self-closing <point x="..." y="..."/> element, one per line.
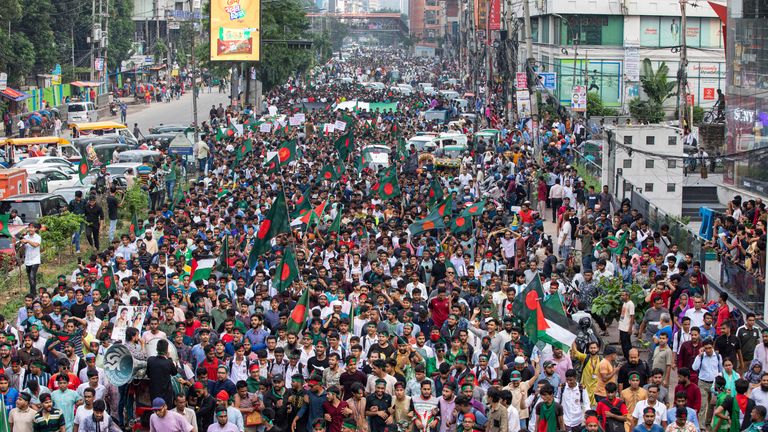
<point x="656" y="85"/>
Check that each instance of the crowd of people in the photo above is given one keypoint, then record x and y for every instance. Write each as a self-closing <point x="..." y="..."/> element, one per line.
<point x="380" y="327"/>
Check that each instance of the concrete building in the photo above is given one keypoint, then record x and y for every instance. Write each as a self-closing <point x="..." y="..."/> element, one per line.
<point x="649" y="159"/>
<point x="607" y="40"/>
<point x="427" y="19"/>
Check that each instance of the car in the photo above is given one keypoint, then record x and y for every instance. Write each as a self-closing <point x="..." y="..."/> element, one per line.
<point x="34" y="169"/>
<point x="43" y="160"/>
<point x="376" y="85"/>
<point x="118" y="180"/>
<point x="162" y="139"/>
<point x="170" y="128"/>
<point x="68" y="193"/>
<point x="31" y="207"/>
<point x="378" y="156"/>
<point x="143" y="156"/>
<point x="121" y="168"/>
<point x="57" y="178"/>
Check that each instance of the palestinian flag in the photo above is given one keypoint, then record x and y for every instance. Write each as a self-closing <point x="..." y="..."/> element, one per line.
<point x="316" y="213"/>
<point x="222" y="264"/>
<point x="435" y="192"/>
<point x="460" y="224"/>
<point x="388" y="185"/>
<point x="445" y="208"/>
<point x="84" y="168"/>
<point x="273" y="165"/>
<point x="287" y="152"/>
<point x="286" y="272"/>
<point x="300" y="314"/>
<point x="617" y="244"/>
<point x="344" y="145"/>
<point x="547" y="322"/>
<point x="336" y="225"/>
<point x="202" y="268"/>
<point x="475" y="209"/>
<point x="433" y="221"/>
<point x="275" y="223"/>
<point x="135" y="228"/>
<point x="4" y="225"/>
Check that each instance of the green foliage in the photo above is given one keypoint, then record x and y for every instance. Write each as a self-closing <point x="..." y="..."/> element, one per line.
<point x="36" y="23"/>
<point x="646" y="111"/>
<point x="698" y="115"/>
<point x="121" y="29"/>
<point x="608" y="304"/>
<point x="58" y="232"/>
<point x="136" y="200"/>
<point x="657" y="85"/>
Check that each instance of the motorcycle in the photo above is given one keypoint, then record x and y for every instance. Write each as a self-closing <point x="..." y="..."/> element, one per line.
<point x="113" y="108"/>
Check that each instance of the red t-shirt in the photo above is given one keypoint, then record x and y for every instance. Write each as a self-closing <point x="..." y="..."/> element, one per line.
<point x="604" y="406"/>
<point x="723" y="314"/>
<point x="440" y="309"/>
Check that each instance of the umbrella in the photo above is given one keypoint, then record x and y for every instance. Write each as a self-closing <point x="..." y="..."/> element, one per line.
<point x="35" y="119"/>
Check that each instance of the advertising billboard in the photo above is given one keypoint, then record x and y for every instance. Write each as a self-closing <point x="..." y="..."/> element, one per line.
<point x="235" y="26"/>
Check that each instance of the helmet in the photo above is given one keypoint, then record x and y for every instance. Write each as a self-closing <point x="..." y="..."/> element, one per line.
<point x="585" y="323"/>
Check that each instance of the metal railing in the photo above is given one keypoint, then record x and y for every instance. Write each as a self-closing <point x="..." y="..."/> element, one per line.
<point x="592" y="168"/>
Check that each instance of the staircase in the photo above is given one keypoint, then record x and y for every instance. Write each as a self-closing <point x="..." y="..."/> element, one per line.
<point x="695" y="197"/>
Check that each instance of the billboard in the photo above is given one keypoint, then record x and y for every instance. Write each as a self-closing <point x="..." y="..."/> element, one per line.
<point x="235" y="26"/>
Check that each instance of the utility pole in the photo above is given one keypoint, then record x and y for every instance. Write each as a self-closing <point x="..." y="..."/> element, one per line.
<point x="93" y="35"/>
<point x="682" y="80"/>
<point x="105" y="43"/>
<point x="194" y="74"/>
<point x="157" y="22"/>
<point x="532" y="84"/>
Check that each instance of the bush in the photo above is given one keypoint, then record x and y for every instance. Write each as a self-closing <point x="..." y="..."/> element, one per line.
<point x="58" y="232"/>
<point x="646" y="111"/>
<point x="608" y="304"/>
<point x="698" y="115"/>
<point x="136" y="201"/>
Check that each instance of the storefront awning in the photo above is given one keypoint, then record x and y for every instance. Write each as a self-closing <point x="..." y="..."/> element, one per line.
<point x="14" y="95"/>
<point x="86" y="83"/>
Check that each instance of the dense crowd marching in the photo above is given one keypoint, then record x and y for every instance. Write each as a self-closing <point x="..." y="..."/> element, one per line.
<point x="382" y="327"/>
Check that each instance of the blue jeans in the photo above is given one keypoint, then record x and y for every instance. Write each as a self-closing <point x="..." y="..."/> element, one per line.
<point x="112" y="229"/>
<point x="201" y="163"/>
<point x="76" y="238"/>
<point x="170" y="186"/>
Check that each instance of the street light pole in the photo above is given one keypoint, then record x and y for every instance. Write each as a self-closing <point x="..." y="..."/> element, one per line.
<point x="532" y="84"/>
<point x="194" y="74"/>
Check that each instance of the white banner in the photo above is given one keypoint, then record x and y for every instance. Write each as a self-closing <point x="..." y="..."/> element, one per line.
<point x="294" y="121"/>
<point x="128" y="316"/>
<point x="265" y="127"/>
<point x="340" y="125"/>
<point x="328" y="128"/>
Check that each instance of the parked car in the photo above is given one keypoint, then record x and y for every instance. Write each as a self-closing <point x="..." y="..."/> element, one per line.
<point x="120" y="168"/>
<point x="143" y="156"/>
<point x="43" y="161"/>
<point x="169" y="128"/>
<point x="57" y="178"/>
<point x="68" y="193"/>
<point x="31" y="207"/>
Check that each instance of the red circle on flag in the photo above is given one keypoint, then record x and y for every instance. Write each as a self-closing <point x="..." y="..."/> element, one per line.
<point x="327" y="174"/>
<point x="472" y="210"/>
<point x="388" y="188"/>
<point x="532" y="300"/>
<point x="230" y="132"/>
<point x="297" y="315"/>
<point x="84" y="168"/>
<point x="283" y="154"/>
<point x="428" y="225"/>
<point x="346" y="142"/>
<point x="431" y="193"/>
<point x="264" y="228"/>
<point x="271" y="166"/>
<point x="460" y="222"/>
<point x="285" y="272"/>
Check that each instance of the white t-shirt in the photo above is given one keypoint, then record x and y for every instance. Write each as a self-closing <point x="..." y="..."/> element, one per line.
<point x="82" y="413"/>
<point x="660" y="408"/>
<point x="627" y="310"/>
<point x="32" y="253"/>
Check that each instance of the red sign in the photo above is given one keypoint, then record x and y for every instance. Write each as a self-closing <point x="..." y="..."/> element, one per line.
<point x="709" y="93"/>
<point x="521" y="81"/>
<point x="689" y="100"/>
<point x="494" y="15"/>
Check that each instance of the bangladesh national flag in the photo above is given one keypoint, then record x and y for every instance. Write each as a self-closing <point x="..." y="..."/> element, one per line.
<point x="308" y="217"/>
<point x="273" y="165"/>
<point x="202" y="268"/>
<point x="435" y="192"/>
<point x="84" y="168"/>
<point x="222" y="263"/>
<point x="433" y="221"/>
<point x="475" y="209"/>
<point x="402" y="149"/>
<point x="617" y="244"/>
<point x="300" y="314"/>
<point x="302" y="204"/>
<point x="345" y="144"/>
<point x="336" y="225"/>
<point x="445" y="208"/>
<point x="460" y="224"/>
<point x="545" y="320"/>
<point x="388" y="186"/>
<point x="286" y="272"/>
<point x="331" y="172"/>
<point x="4" y="225"/>
<point x="275" y="223"/>
<point x="107" y="282"/>
<point x="287" y="152"/>
<point x="362" y="161"/>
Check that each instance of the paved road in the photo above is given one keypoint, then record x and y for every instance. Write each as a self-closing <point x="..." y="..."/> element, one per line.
<point x="174" y="112"/>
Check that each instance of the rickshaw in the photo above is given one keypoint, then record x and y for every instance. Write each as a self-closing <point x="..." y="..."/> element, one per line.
<point x="14" y="150"/>
<point x="104" y="128"/>
<point x="490" y="136"/>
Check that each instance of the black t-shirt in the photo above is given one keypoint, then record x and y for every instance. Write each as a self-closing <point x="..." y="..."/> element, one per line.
<point x="101" y="310"/>
<point x="78" y="310"/>
<point x="727" y="346"/>
<point x="315" y="365"/>
<point x="112" y="204"/>
<point x="378" y="424"/>
<point x="388" y="351"/>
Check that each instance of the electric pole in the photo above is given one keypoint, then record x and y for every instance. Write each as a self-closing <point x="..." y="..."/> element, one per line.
<point x="682" y="80"/>
<point x="532" y="84"/>
<point x="105" y="44"/>
<point x="194" y="73"/>
<point x="93" y="36"/>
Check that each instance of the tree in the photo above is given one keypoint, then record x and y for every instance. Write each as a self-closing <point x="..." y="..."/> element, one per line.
<point x="657" y="89"/>
<point x="121" y="28"/>
<point x="36" y="24"/>
<point x="596" y="108"/>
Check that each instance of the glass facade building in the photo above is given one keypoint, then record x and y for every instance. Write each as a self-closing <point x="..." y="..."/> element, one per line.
<point x="747" y="93"/>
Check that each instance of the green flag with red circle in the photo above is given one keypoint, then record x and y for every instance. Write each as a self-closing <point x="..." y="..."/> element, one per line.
<point x="475" y="209"/>
<point x="84" y="169"/>
<point x="4" y="220"/>
<point x="287" y="152"/>
<point x="275" y="222"/>
<point x="299" y="315"/>
<point x="433" y="221"/>
<point x="461" y="223"/>
<point x="273" y="165"/>
<point x="388" y="186"/>
<point x="435" y="191"/>
<point x="286" y="272"/>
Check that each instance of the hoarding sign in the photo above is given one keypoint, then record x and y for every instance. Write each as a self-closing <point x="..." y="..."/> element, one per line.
<point x="579" y="99"/>
<point x="548" y="80"/>
<point x="235" y="26"/>
<point x="521" y="81"/>
<point x="494" y="16"/>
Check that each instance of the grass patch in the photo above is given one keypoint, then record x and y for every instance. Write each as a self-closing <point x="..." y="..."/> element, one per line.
<point x="589" y="179"/>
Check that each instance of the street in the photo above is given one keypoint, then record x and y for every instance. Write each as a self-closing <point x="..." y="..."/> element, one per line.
<point x="174" y="112"/>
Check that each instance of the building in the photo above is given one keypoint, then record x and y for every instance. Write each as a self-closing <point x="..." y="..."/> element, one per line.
<point x="747" y="95"/>
<point x="612" y="37"/>
<point x="154" y="18"/>
<point x="426" y="19"/>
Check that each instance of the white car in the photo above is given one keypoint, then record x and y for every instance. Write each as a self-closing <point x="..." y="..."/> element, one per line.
<point x="43" y="161"/>
<point x="376" y="86"/>
<point x="57" y="178"/>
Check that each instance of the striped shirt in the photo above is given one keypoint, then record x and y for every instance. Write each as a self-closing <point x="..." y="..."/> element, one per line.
<point x="53" y="423"/>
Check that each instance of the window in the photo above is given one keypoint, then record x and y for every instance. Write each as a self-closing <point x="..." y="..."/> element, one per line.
<point x="628" y="140"/>
<point x="665" y="32"/>
<point x="649" y="163"/>
<point x="649" y="187"/>
<point x="650" y="140"/>
<point x="545" y="30"/>
<point x="627" y="186"/>
<point x="670" y="187"/>
<point x="672" y="163"/>
<point x="627" y="163"/>
<point x="672" y="140"/>
<point x="592" y="30"/>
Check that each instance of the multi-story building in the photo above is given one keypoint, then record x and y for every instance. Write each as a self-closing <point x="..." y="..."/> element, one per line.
<point x="426" y="19"/>
<point x="746" y="93"/>
<point x="601" y="43"/>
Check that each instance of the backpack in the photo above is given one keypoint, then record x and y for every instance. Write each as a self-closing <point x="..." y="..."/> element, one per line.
<point x="581" y="394"/>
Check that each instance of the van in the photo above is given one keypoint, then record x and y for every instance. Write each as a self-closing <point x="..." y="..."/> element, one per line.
<point x="430" y="142"/>
<point x="82" y="112"/>
<point x="423" y="86"/>
<point x="104" y="129"/>
<point x="449" y="94"/>
<point x="31" y="207"/>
